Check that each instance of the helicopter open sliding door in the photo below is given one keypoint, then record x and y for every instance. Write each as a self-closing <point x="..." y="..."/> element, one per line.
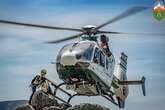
<point x="109" y="67"/>
<point x="99" y="67"/>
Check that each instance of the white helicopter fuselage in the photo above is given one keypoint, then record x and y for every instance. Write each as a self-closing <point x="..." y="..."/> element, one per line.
<point x="101" y="71"/>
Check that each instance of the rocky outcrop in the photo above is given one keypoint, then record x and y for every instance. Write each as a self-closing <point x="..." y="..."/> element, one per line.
<point x="42" y="101"/>
<point x="24" y="107"/>
<point x="87" y="106"/>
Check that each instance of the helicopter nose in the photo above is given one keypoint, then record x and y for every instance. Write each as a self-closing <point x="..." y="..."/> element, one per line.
<point x="68" y="58"/>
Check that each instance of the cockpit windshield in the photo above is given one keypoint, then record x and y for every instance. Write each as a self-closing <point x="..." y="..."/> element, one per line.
<point x="84" y="50"/>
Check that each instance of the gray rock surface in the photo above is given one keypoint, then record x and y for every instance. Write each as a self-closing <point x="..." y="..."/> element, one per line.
<point x="53" y="108"/>
<point x="87" y="106"/>
<point x="42" y="101"/>
<point x="24" y="107"/>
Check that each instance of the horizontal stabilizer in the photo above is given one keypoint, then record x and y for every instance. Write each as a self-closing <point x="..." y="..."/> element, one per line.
<point x="137" y="82"/>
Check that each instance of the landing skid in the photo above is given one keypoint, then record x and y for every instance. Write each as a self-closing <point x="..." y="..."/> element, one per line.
<point x="107" y="96"/>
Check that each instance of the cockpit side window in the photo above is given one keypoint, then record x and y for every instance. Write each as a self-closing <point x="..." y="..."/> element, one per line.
<point x="102" y="59"/>
<point x="96" y="56"/>
<point x="88" y="53"/>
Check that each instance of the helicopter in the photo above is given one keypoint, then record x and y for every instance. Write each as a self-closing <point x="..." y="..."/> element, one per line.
<point x="88" y="69"/>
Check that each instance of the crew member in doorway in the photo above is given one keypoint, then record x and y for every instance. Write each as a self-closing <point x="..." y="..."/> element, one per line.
<point x="104" y="44"/>
<point x="39" y="81"/>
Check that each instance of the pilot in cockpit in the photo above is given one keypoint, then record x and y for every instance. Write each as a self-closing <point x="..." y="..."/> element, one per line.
<point x="104" y="44"/>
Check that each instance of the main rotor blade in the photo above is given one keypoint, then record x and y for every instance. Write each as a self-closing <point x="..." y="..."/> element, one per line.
<point x="123" y="15"/>
<point x="39" y="26"/>
<point x="112" y="32"/>
<point x="65" y="39"/>
<point x="109" y="32"/>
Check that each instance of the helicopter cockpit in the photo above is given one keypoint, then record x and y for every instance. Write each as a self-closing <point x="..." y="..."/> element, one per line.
<point x="103" y="41"/>
<point x="75" y="56"/>
<point x="73" y="53"/>
<point x="84" y="50"/>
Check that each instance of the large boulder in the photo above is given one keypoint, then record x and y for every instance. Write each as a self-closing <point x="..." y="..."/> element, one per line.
<point x="41" y="100"/>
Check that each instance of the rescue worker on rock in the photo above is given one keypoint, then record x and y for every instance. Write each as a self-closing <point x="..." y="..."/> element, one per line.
<point x="39" y="81"/>
<point x="104" y="44"/>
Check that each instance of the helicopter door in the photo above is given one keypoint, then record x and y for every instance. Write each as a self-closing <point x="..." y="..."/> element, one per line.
<point x="104" y="64"/>
<point x="98" y="66"/>
<point x="99" y="58"/>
